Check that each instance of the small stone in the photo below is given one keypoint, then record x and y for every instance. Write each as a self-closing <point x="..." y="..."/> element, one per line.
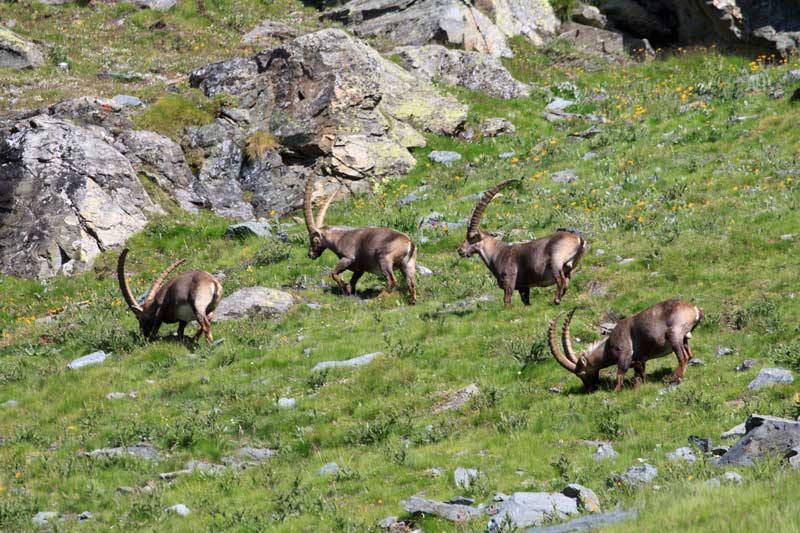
<point x="794" y="457"/>
<point x="287" y="403"/>
<point x="84" y="516"/>
<point x="604" y="451"/>
<point x="115" y="395"/>
<point x="558" y="104"/>
<point x="204" y="380"/>
<point x="444" y="157"/>
<point x="639" y="475"/>
<point x="9" y="403"/>
<point x="43" y="518"/>
<point x="587" y="499"/>
<point x="354" y="362"/>
<point x="93" y="358"/>
<point x="625" y="260"/>
<point x="387" y="522"/>
<point x="63" y="67"/>
<point x="794" y="75"/>
<point x="787" y="237"/>
<point x="505" y="155"/>
<point x="492" y="127"/>
<point x="702" y="443"/>
<point x="770" y="376"/>
<point x="719" y="450"/>
<point x="124" y="490"/>
<point x="464" y="477"/>
<point x="735" y="431"/>
<point x="747" y="364"/>
<point x="696" y="362"/>
<point x="524" y="509"/>
<point x="434" y="472"/>
<point x="127" y="101"/>
<point x="454" y="513"/>
<point x="424" y="271"/>
<point x="682" y="454"/>
<point x="327" y="469"/>
<point x="307" y="351"/>
<point x="564" y="177"/>
<point x="733" y="476"/>
<point x="313" y="306"/>
<point x="251" y="228"/>
<point x="457" y="399"/>
<point x="179" y="509"/>
<point x="713" y="482"/>
<point x="500" y="497"/>
<point x="723" y="350"/>
<point x="599" y="252"/>
<point x="589" y="155"/>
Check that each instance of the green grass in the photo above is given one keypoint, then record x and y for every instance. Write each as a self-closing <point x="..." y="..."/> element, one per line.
<point x="699" y="201"/>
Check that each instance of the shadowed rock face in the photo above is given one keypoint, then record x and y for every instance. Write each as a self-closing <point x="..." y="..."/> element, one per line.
<point x="751" y="26"/>
<point x="66" y="194"/>
<point x="17" y="53"/>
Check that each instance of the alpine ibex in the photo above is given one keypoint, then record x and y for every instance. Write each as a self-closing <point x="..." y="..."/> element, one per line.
<point x="376" y="250"/>
<point x="520" y="266"/>
<point x="193" y="295"/>
<point x="666" y="326"/>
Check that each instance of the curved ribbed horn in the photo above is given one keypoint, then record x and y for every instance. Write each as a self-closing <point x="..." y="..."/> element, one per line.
<point x="324" y="209"/>
<point x="160" y="279"/>
<point x="555" y="349"/>
<point x="477" y="213"/>
<point x="566" y="341"/>
<point x="307" y="213"/>
<point x="123" y="284"/>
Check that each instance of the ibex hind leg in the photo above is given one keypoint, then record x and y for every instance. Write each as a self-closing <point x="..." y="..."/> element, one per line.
<point x="561" y="284"/>
<point x="408" y="275"/>
<point x="200" y="306"/>
<point x="354" y="280"/>
<point x="525" y="296"/>
<point x="387" y="269"/>
<point x="677" y="342"/>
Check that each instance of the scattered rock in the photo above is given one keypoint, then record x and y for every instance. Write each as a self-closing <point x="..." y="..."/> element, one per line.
<point x="747" y="364"/>
<point x="268" y="33"/>
<point x="434" y="472"/>
<point x="592" y="40"/>
<point x="735" y="431"/>
<point x="253" y="456"/>
<point x="702" y="443"/>
<point x="766" y="435"/>
<point x="463" y="477"/>
<point x="558" y="104"/>
<point x="589" y="16"/>
<point x="492" y="127"/>
<point x="525" y="509"/>
<point x="287" y="403"/>
<point x="457" y="399"/>
<point x="696" y="362"/>
<point x="564" y="177"/>
<point x="9" y="403"/>
<point x="604" y="451"/>
<point x="125" y="100"/>
<point x="44" y="518"/>
<point x="84" y="516"/>
<point x="588" y="522"/>
<point x="587" y="499"/>
<point x="454" y="513"/>
<point x="254" y="301"/>
<point x="251" y="228"/>
<point x="361" y="360"/>
<point x="719" y="450"/>
<point x="483" y="28"/>
<point x="124" y="490"/>
<point x="639" y="475"/>
<point x="770" y="376"/>
<point x="327" y="469"/>
<point x="93" y="358"/>
<point x="472" y="70"/>
<point x="387" y="522"/>
<point x="16" y="53"/>
<point x="723" y="350"/>
<point x="682" y="454"/>
<point x="142" y="451"/>
<point x="179" y="509"/>
<point x="505" y="155"/>
<point x="787" y="237"/>
<point x="424" y="271"/>
<point x="444" y="157"/>
<point x="115" y="395"/>
<point x="733" y="476"/>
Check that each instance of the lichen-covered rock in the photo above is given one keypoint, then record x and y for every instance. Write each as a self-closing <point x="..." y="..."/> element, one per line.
<point x="17" y="53"/>
<point x="482" y="27"/>
<point x="66" y="194"/>
<point x="329" y="96"/>
<point x="524" y="509"/>
<point x="253" y="301"/>
<point x="269" y="32"/>
<point x="765" y="435"/>
<point x="475" y="71"/>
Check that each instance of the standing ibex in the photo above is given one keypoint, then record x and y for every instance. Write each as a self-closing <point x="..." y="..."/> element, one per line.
<point x="191" y="296"/>
<point x="520" y="266"/>
<point x="666" y="326"/>
<point x="376" y="250"/>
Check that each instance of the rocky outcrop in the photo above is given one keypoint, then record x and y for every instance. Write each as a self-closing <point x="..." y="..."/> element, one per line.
<point x="472" y="70"/>
<point x="269" y="33"/>
<point x="765" y="436"/>
<point x="744" y="25"/>
<point x="17" y="53"/>
<point x="481" y="26"/>
<point x="66" y="194"/>
<point x="331" y="101"/>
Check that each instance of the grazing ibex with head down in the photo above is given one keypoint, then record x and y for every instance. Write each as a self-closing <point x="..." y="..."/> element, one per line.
<point x="376" y="250"/>
<point x="191" y="296"/>
<point x="520" y="266"/>
<point x="654" y="332"/>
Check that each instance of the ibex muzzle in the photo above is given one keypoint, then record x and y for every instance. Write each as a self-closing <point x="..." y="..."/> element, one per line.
<point x="520" y="266"/>
<point x="656" y="331"/>
<point x="193" y="295"/>
<point x="376" y="250"/>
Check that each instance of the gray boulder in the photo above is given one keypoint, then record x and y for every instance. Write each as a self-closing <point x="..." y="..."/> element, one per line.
<point x="589" y="16"/>
<point x="464" y="477"/>
<point x="445" y="157"/>
<point x="472" y="70"/>
<point x="328" y="469"/>
<point x="127" y="101"/>
<point x="44" y="518"/>
<point x="524" y="509"/>
<point x="682" y="454"/>
<point x="587" y="523"/>
<point x="253" y="301"/>
<point x="639" y="475"/>
<point x="604" y="451"/>
<point x="361" y="360"/>
<point x="457" y="399"/>
<point x="770" y="376"/>
<point x="607" y="44"/>
<point x="484" y="27"/>
<point x="453" y="512"/>
<point x="268" y="33"/>
<point x="17" y="53"/>
<point x="179" y="509"/>
<point x="93" y="358"/>
<point x="67" y="194"/>
<point x="492" y="127"/>
<point x="157" y="5"/>
<point x="142" y="451"/>
<point x="766" y="435"/>
<point x="587" y="499"/>
<point x="251" y="228"/>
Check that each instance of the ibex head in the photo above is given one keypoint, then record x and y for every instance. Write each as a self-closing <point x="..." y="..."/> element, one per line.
<point x="146" y="312"/>
<point x="316" y="237"/>
<point x="476" y="239"/>
<point x="577" y="364"/>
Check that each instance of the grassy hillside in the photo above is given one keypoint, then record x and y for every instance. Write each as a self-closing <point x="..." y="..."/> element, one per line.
<point x="694" y="176"/>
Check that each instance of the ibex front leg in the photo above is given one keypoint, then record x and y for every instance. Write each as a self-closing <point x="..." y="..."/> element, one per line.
<point x="343" y="264"/>
<point x="387" y="268"/>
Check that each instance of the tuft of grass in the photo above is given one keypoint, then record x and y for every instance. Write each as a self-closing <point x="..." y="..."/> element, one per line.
<point x="171" y="114"/>
<point x="258" y="144"/>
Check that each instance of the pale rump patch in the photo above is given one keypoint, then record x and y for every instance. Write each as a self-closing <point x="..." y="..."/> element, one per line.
<point x="696" y="313"/>
<point x="689" y="335"/>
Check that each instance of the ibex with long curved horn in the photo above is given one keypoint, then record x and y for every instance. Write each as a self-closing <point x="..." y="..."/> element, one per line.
<point x="193" y="295"/>
<point x="376" y="250"/>
<point x="665" y="327"/>
<point x="520" y="266"/>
